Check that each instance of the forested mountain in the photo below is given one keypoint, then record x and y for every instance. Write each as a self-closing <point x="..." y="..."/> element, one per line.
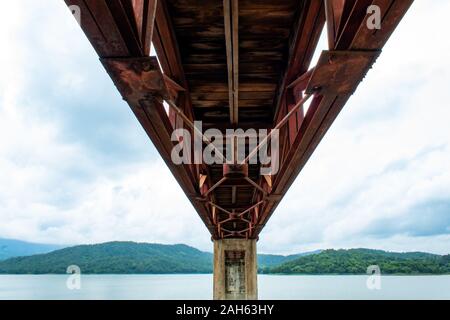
<point x="144" y="258"/>
<point x="356" y="261"/>
<point x="114" y="258"/>
<point x="126" y="257"/>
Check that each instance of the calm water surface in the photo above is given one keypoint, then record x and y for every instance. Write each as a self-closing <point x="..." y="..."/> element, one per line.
<point x="180" y="287"/>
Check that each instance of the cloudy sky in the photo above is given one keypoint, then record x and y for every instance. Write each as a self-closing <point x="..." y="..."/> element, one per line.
<point x="75" y="166"/>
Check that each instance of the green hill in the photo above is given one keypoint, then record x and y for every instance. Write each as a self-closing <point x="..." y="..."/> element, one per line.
<point x="126" y="258"/>
<point x="356" y="261"/>
<point x="144" y="258"/>
<point x="114" y="258"/>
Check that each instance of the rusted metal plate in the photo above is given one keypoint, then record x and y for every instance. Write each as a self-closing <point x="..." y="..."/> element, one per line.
<point x="135" y="77"/>
<point x="340" y="72"/>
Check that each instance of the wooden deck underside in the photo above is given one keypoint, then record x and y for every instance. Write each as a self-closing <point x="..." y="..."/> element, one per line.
<point x="264" y="30"/>
<point x="237" y="64"/>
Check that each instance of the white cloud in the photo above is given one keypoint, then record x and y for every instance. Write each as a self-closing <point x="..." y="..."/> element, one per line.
<point x="41" y="197"/>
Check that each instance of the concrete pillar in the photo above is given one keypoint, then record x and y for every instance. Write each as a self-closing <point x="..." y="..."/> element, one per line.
<point x="235" y="270"/>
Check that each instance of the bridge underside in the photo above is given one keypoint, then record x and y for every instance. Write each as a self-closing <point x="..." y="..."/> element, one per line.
<point x="237" y="64"/>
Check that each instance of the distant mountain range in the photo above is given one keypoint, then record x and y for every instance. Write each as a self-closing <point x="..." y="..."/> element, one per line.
<point x="126" y="257"/>
<point x="144" y="258"/>
<point x="15" y="248"/>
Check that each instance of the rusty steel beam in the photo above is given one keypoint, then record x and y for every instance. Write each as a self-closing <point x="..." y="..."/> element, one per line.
<point x="302" y="48"/>
<point x="337" y="75"/>
<point x="334" y="10"/>
<point x="112" y="28"/>
<point x="145" y="12"/>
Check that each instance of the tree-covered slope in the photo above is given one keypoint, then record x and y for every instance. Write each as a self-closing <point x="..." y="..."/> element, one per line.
<point x="114" y="258"/>
<point x="126" y="258"/>
<point x="356" y="261"/>
<point x="143" y="258"/>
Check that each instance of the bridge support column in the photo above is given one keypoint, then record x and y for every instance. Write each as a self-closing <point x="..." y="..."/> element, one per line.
<point x="235" y="270"/>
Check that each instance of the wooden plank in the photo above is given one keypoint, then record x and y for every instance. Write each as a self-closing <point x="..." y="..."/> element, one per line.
<point x="200" y="86"/>
<point x="233" y="194"/>
<point x="206" y="104"/>
<point x="220" y="96"/>
<point x="227" y="15"/>
<point x="235" y="33"/>
<point x="231" y="23"/>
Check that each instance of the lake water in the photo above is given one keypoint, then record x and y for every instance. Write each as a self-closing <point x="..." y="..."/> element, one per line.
<point x="198" y="287"/>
